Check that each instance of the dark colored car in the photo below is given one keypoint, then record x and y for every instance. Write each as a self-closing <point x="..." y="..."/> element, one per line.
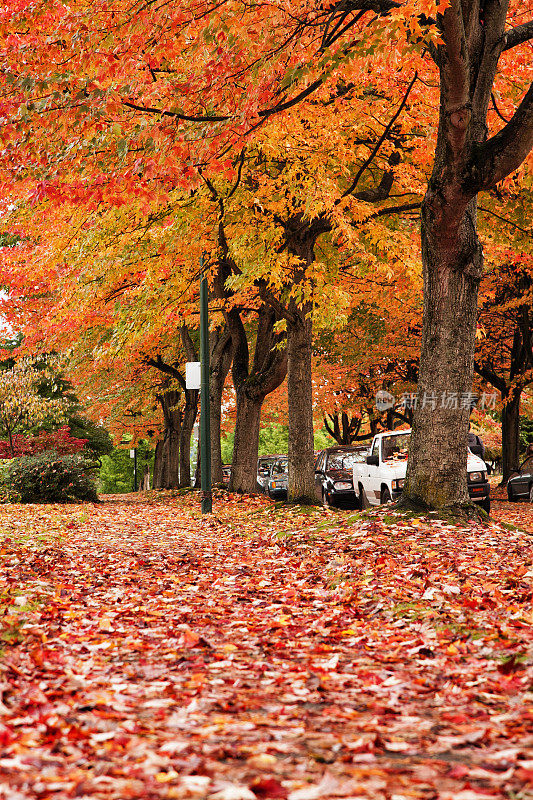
<point x="334" y="474"/>
<point x="520" y="485"/>
<point x="279" y="480"/>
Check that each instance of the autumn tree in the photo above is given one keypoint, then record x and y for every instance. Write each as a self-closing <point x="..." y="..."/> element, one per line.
<point x="22" y="405"/>
<point x="125" y="298"/>
<point x="150" y="144"/>
<point x="301" y="183"/>
<point x="176" y="87"/>
<point x="472" y="155"/>
<point x="376" y="350"/>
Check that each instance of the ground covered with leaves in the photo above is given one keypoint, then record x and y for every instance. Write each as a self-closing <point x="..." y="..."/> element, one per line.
<point x="264" y="652"/>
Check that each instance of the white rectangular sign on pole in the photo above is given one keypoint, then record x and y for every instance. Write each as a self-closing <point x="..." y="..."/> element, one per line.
<point x="192" y="375"/>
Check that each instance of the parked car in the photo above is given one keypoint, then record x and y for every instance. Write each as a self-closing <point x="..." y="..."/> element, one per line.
<point x="278" y="480"/>
<point x="226" y="473"/>
<point x="264" y="465"/>
<point x="520" y="485"/>
<point x="334" y="474"/>
<point x="381" y="477"/>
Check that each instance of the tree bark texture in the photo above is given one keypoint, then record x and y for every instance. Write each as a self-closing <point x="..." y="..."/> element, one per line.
<point x="436" y="475"/>
<point x="158" y="466"/>
<point x="169" y="401"/>
<point x="189" y="418"/>
<point x="301" y="236"/>
<point x="221" y="358"/>
<point x="510" y="436"/>
<point x="246" y="441"/>
<point x="300" y="394"/>
<point x="465" y="163"/>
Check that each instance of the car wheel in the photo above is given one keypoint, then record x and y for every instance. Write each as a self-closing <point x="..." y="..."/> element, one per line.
<point x="363" y="499"/>
<point x="531" y="493"/>
<point x="385" y="496"/>
<point x="485" y="505"/>
<point x="325" y="499"/>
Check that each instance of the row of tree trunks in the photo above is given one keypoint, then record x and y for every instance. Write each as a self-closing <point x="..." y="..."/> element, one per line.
<point x="172" y="464"/>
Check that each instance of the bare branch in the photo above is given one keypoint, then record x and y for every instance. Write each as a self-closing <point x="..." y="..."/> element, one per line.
<point x="165" y="113"/>
<point x="497" y="110"/>
<point x="381" y="139"/>
<point x="519" y="35"/>
<point x="507" y="221"/>
<point x="396" y="209"/>
<point x="504" y="152"/>
<point x="168" y="369"/>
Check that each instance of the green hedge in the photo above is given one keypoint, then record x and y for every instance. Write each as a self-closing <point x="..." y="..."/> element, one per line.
<point x="50" y="478"/>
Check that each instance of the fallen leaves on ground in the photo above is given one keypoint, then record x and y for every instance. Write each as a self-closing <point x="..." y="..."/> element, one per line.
<point x="263" y="652"/>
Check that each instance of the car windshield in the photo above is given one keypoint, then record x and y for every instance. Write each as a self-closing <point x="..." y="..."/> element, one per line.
<point x="395" y="448"/>
<point x="527" y="466"/>
<point x="343" y="460"/>
<point x="280" y="468"/>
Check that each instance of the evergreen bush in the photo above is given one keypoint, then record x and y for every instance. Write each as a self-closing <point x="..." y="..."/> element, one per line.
<point x="52" y="478"/>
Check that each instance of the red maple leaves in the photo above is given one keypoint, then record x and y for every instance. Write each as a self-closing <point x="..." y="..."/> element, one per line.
<point x="262" y="653"/>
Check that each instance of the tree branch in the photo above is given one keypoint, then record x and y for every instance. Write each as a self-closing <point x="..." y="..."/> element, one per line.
<point x="168" y="369"/>
<point x="489" y="375"/>
<point x="518" y="35"/>
<point x="504" y="152"/>
<point x="507" y="221"/>
<point x="165" y="113"/>
<point x="187" y="343"/>
<point x="381" y="139"/>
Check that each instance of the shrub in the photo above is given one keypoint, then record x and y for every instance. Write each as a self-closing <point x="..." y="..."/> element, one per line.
<point x="7" y="494"/>
<point x="52" y="478"/>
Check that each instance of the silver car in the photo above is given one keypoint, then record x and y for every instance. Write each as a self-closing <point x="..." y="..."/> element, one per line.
<point x="279" y="480"/>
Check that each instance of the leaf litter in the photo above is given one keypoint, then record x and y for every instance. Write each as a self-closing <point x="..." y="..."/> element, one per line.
<point x="262" y="652"/>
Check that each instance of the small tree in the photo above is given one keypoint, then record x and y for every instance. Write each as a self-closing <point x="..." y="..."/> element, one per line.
<point x="21" y="405"/>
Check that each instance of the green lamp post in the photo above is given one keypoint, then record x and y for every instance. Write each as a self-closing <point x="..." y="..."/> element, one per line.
<point x="205" y="422"/>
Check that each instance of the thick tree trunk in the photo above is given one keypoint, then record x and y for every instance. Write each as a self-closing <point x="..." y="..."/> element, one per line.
<point x="510" y="437"/>
<point x="189" y="418"/>
<point x="299" y="389"/>
<point x="452" y="263"/>
<point x="158" y="466"/>
<point x="221" y="358"/>
<point x="171" y="443"/>
<point x="472" y="40"/>
<point x="246" y="442"/>
<point x="198" y="470"/>
<point x="215" y="409"/>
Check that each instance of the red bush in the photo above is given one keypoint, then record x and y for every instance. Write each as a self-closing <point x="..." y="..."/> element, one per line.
<point x="61" y="441"/>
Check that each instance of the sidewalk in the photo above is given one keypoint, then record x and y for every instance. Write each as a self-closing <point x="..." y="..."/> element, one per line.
<point x="150" y="653"/>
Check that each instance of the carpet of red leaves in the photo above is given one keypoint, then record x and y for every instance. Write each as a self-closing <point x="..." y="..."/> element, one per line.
<point x="263" y="653"/>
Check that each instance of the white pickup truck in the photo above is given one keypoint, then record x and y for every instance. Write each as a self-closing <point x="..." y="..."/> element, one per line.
<point x="381" y="477"/>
